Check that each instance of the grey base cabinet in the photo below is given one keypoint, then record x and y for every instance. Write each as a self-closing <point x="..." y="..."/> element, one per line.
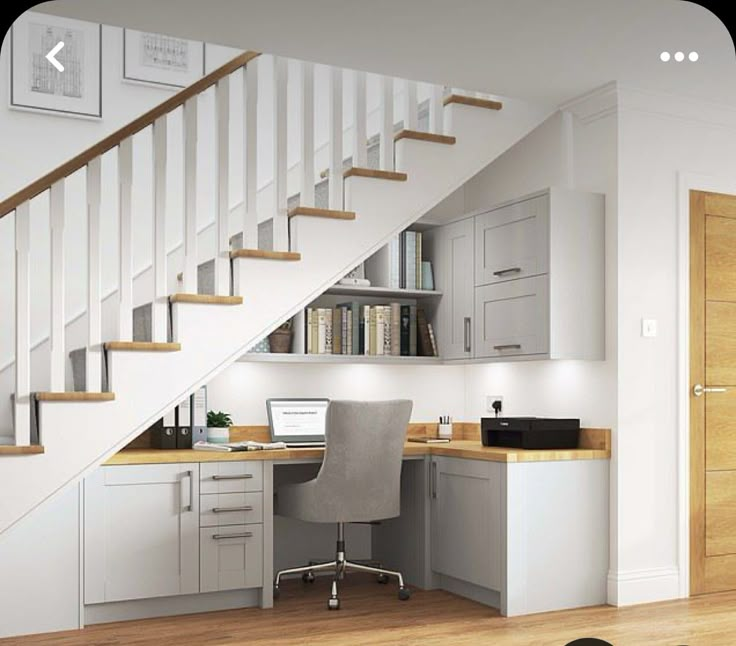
<point x="141" y="532"/>
<point x="466" y="521"/>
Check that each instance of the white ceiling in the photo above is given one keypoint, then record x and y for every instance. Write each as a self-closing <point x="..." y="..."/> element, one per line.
<point x="541" y="50"/>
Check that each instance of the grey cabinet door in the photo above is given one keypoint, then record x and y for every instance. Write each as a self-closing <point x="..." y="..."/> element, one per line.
<point x="231" y="557"/>
<point x="513" y="318"/>
<point x="466" y="520"/>
<point x="512" y="241"/>
<point x="454" y="276"/>
<point x="141" y="529"/>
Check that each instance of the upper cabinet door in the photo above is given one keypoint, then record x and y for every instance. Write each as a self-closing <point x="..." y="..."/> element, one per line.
<point x="141" y="529"/>
<point x="512" y="241"/>
<point x="452" y="247"/>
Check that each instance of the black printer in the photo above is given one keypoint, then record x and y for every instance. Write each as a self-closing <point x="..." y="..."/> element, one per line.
<point x="530" y="432"/>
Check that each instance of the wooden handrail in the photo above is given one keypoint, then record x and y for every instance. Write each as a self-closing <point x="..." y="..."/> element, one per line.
<point x="112" y="140"/>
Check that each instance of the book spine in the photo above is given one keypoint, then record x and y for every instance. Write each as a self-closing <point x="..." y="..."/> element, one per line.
<point x="380" y="325"/>
<point x="350" y="349"/>
<point x="336" y="331"/>
<point x="412" y="330"/>
<point x="393" y="260"/>
<point x="425" y="345"/>
<point x="387" y="329"/>
<point x="418" y="278"/>
<point x="404" y="351"/>
<point x="402" y="259"/>
<point x="395" y="329"/>
<point x="366" y="322"/>
<point x="411" y="259"/>
<point x="432" y="340"/>
<point x="321" y="330"/>
<point x="308" y="332"/>
<point x="373" y="323"/>
<point x="315" y="331"/>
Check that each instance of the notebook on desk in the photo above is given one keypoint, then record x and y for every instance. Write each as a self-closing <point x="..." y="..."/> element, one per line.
<point x="297" y="422"/>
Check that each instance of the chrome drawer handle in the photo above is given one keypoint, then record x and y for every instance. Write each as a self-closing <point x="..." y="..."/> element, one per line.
<point x="508" y="346"/>
<point x="222" y="510"/>
<point x="244" y="476"/>
<point x="699" y="390"/>
<point x="510" y="270"/>
<point x="219" y="537"/>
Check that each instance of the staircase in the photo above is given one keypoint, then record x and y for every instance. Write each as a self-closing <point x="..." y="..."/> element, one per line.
<point x="194" y="336"/>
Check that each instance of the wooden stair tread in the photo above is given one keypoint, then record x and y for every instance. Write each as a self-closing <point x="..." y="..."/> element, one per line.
<point x="142" y="346"/>
<point x="322" y="213"/>
<point x="206" y="299"/>
<point x="418" y="135"/>
<point x="74" y="397"/>
<point x="266" y="255"/>
<point x="27" y="449"/>
<point x="356" y="171"/>
<point x="472" y="101"/>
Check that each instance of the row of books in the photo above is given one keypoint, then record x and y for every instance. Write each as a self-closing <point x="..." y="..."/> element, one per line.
<point x="352" y="328"/>
<point x="398" y="264"/>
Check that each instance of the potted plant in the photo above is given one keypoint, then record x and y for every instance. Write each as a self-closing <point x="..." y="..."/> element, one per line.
<point x="218" y="427"/>
<point x="280" y="338"/>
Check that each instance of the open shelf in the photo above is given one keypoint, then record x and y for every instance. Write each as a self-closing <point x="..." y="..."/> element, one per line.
<point x="382" y="292"/>
<point x="270" y="357"/>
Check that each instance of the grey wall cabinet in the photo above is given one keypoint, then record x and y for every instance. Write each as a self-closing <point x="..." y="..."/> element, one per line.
<point x="141" y="532"/>
<point x="537" y="280"/>
<point x="466" y="520"/>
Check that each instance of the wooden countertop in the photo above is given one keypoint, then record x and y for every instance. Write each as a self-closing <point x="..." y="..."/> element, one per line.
<point x="469" y="449"/>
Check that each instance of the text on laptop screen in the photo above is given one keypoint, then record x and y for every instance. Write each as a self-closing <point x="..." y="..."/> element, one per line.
<point x="298" y="418"/>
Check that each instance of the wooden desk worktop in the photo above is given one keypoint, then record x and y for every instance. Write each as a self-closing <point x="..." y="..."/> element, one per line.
<point x="470" y="449"/>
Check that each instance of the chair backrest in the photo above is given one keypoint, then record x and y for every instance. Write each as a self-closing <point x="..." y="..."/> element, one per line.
<point x="361" y="471"/>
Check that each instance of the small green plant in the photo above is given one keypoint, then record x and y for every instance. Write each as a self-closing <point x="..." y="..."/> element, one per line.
<point x="219" y="419"/>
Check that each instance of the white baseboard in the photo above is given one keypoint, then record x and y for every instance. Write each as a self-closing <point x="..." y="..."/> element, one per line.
<point x="643" y="586"/>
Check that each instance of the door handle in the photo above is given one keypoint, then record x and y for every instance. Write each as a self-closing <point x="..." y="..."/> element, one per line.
<point x="219" y="537"/>
<point x="699" y="390"/>
<point x="222" y="510"/>
<point x="243" y="476"/>
<point x="510" y="270"/>
<point x="466" y="334"/>
<point x="508" y="346"/>
<point x="188" y="490"/>
<point x="434" y="479"/>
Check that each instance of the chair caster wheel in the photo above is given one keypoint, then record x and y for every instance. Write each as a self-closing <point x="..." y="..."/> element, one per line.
<point x="308" y="577"/>
<point x="276" y="592"/>
<point x="382" y="578"/>
<point x="333" y="603"/>
<point x="404" y="594"/>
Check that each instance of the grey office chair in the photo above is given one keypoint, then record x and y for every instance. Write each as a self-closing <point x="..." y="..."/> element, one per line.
<point x="359" y="482"/>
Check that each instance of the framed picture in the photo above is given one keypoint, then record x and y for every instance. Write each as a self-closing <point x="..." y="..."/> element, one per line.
<point x="36" y="85"/>
<point x="161" y="60"/>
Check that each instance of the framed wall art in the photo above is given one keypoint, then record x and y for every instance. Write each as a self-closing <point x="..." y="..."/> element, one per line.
<point x="36" y="85"/>
<point x="161" y="60"/>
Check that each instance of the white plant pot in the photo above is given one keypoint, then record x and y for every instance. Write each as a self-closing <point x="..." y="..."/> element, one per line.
<point x="217" y="435"/>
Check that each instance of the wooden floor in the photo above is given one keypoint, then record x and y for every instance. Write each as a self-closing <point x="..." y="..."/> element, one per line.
<point x="371" y="614"/>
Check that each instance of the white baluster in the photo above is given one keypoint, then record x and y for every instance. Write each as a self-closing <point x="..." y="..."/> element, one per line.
<point x="125" y="287"/>
<point x="436" y="124"/>
<point x="360" y="152"/>
<point x="410" y="105"/>
<point x="306" y="195"/>
<point x="335" y="182"/>
<point x="387" y="123"/>
<point x="57" y="371"/>
<point x="280" y="219"/>
<point x="22" y="325"/>
<point x="94" y="316"/>
<point x="222" y="257"/>
<point x="190" y="196"/>
<point x="159" y="309"/>
<point x="250" y="166"/>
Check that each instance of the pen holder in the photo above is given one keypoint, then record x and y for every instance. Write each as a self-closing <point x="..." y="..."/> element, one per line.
<point x="444" y="431"/>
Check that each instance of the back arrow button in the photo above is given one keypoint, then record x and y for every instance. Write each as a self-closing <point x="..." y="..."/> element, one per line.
<point x="51" y="56"/>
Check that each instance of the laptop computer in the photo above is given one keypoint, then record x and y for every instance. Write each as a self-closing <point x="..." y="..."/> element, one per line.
<point x="297" y="422"/>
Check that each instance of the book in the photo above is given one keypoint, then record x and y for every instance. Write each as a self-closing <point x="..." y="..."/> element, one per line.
<point x="351" y="349"/>
<point x="354" y="315"/>
<point x="373" y="323"/>
<point x="427" y="275"/>
<point x="395" y="329"/>
<point x="380" y="325"/>
<point x="315" y="331"/>
<point x="336" y="331"/>
<point x="321" y="330"/>
<point x="366" y="322"/>
<point x="248" y="445"/>
<point x="402" y="259"/>
<point x="418" y="260"/>
<point x="308" y="331"/>
<point x="429" y="440"/>
<point x="412" y="330"/>
<point x="387" y="322"/>
<point x="404" y="337"/>
<point x="410" y="259"/>
<point x="425" y="344"/>
<point x="432" y="340"/>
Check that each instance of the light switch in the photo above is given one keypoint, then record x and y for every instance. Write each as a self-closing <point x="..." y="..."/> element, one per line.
<point x="649" y="328"/>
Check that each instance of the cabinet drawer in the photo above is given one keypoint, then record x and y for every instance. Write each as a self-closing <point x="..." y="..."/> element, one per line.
<point x="231" y="477"/>
<point x="218" y="509"/>
<point x="512" y="318"/>
<point x="512" y="242"/>
<point x="231" y="558"/>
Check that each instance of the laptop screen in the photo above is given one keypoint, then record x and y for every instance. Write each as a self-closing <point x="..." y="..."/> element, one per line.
<point x="297" y="420"/>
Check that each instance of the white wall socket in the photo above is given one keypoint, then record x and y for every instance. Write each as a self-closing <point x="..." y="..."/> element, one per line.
<point x="489" y="402"/>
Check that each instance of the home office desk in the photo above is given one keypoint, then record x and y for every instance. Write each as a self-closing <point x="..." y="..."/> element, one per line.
<point x="522" y="531"/>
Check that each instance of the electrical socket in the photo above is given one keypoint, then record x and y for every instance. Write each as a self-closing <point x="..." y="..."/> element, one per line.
<point x="489" y="403"/>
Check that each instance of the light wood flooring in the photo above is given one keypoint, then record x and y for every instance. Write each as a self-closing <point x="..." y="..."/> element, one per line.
<point x="371" y="614"/>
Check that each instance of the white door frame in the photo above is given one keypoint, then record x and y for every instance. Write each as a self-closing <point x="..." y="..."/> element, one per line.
<point x="687" y="181"/>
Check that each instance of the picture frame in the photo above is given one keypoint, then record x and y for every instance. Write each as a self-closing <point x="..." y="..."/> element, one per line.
<point x="36" y="85"/>
<point x="161" y="60"/>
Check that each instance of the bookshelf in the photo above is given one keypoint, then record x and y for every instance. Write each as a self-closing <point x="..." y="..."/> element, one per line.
<point x="294" y="357"/>
<point x="382" y="292"/>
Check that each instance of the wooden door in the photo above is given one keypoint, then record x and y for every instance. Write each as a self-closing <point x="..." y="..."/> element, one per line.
<point x="713" y="392"/>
